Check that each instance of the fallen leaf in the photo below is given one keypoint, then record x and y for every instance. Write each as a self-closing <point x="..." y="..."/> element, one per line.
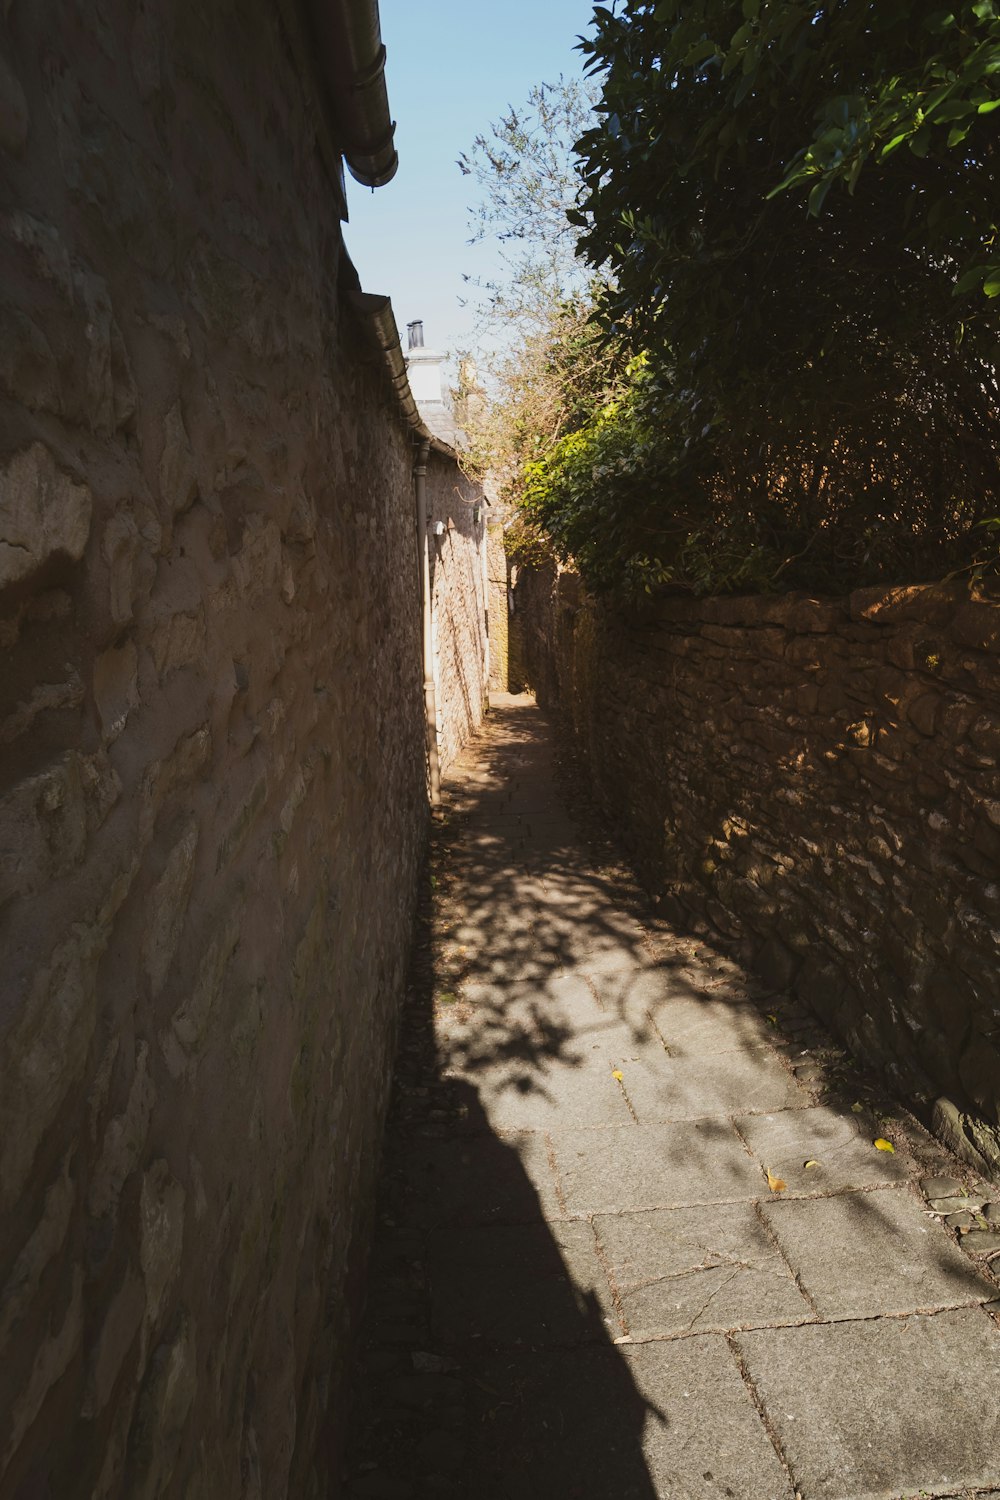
<point x="617" y="1074"/>
<point x="881" y="1145"/>
<point x="775" y="1183"/>
<point x="808" y="1164"/>
<point x="856" y="1108"/>
<point x="772" y="1018"/>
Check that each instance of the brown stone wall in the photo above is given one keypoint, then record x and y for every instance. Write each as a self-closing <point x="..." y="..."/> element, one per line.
<point x="819" y="780"/>
<point x="212" y="801"/>
<point x="458" y="582"/>
<point x="497" y="608"/>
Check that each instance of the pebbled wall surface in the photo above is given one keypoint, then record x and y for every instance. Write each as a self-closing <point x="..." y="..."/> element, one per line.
<point x="212" y="789"/>
<point x="819" y="780"/>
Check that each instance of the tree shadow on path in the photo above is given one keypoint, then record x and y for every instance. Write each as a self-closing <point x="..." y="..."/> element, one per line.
<point x="488" y="1366"/>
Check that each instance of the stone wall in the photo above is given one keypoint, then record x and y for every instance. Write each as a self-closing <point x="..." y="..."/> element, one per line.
<point x="213" y="803"/>
<point x="497" y="608"/>
<point x="818" y="780"/>
<point x="458" y="583"/>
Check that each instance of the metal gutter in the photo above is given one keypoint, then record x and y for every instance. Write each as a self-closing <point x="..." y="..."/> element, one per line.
<point x="377" y="312"/>
<point x="350" y="59"/>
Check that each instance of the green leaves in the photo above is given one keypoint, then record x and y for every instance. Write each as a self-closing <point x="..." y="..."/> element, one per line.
<point x="820" y="307"/>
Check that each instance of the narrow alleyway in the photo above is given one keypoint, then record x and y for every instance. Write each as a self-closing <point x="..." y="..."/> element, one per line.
<point x="637" y="1238"/>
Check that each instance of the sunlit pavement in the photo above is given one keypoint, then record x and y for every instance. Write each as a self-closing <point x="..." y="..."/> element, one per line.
<point x="636" y="1237"/>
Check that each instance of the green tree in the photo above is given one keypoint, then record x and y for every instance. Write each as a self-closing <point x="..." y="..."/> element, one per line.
<point x="524" y="173"/>
<point x="826" y="388"/>
<point x="547" y="368"/>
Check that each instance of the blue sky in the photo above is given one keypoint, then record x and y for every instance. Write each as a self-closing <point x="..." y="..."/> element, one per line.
<point x="452" y="67"/>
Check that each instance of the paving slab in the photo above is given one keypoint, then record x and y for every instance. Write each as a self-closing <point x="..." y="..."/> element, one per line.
<point x="481" y="1179"/>
<point x="863" y="1254"/>
<point x="690" y="1019"/>
<point x="523" y="1284"/>
<point x="559" y="1004"/>
<point x="661" y="1420"/>
<point x="662" y="1088"/>
<point x="652" y="1166"/>
<point x="891" y="1406"/>
<point x="693" y="1027"/>
<point x="529" y="1091"/>
<point x="843" y="1157"/>
<point x="684" y="1270"/>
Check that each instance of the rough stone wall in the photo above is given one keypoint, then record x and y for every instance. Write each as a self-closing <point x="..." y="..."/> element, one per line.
<point x="819" y="780"/>
<point x="497" y="608"/>
<point x="212" y="802"/>
<point x="458" y="583"/>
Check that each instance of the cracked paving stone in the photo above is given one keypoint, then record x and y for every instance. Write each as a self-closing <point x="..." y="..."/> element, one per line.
<point x="843" y="1158"/>
<point x="889" y="1406"/>
<point x="671" y="1420"/>
<point x="863" y="1254"/>
<point x="681" y="1270"/>
<point x="529" y="1284"/>
<point x="662" y="1088"/>
<point x="653" y="1166"/>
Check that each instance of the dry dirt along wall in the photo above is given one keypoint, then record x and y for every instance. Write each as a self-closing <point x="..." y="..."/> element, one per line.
<point x="819" y="781"/>
<point x="213" y="795"/>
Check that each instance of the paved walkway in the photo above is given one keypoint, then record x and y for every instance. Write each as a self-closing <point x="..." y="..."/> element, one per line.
<point x="635" y="1240"/>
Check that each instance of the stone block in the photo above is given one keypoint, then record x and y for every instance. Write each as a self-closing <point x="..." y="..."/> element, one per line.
<point x="123" y="1142"/>
<point x="977" y="623"/>
<point x="907" y="1262"/>
<point x="43" y="828"/>
<point x="979" y="1070"/>
<point x="54" y="1355"/>
<point x="116" y="688"/>
<point x="119" y="1329"/>
<point x="825" y="1388"/>
<point x="190" y="1024"/>
<point x="160" y="1425"/>
<point x="44" y="515"/>
<point x="168" y="907"/>
<point x="525" y="1284"/>
<point x="974" y="1141"/>
<point x="843" y="1156"/>
<point x="45" y="1051"/>
<point x="739" y="1082"/>
<point x="28" y="373"/>
<point x="177" y="473"/>
<point x="161" y="1234"/>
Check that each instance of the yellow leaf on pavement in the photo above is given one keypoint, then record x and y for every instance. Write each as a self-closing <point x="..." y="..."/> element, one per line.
<point x="617" y="1074"/>
<point x="881" y="1145"/>
<point x="808" y="1164"/>
<point x="775" y="1183"/>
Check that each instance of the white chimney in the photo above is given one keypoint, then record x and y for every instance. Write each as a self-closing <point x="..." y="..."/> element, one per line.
<point x="423" y="366"/>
